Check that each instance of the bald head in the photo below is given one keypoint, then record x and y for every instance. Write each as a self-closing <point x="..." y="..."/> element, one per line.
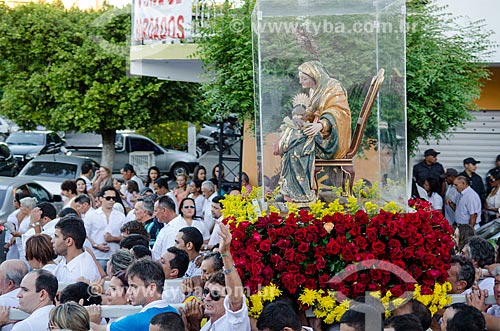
<point x="12" y="273"/>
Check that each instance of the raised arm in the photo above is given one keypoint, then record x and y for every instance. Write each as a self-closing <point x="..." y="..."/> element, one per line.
<point x="233" y="280"/>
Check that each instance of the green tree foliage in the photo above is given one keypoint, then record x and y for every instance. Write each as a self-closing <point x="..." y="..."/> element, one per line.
<point x="443" y="71"/>
<point x="67" y="70"/>
<point x="226" y="51"/>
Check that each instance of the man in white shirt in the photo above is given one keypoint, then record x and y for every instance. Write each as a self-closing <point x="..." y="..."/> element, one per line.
<point x="86" y="174"/>
<point x="165" y="212"/>
<point x="36" y="297"/>
<point x="103" y="226"/>
<point x="223" y="298"/>
<point x="128" y="173"/>
<point x="174" y="263"/>
<point x="68" y="242"/>
<point x="83" y="205"/>
<point x="12" y="273"/>
<point x="208" y="191"/>
<point x="42" y="219"/>
<point x="190" y="240"/>
<point x="217" y="216"/>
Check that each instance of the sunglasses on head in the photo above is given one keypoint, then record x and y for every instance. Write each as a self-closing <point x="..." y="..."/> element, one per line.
<point x="192" y="207"/>
<point x="109" y="198"/>
<point x="213" y="294"/>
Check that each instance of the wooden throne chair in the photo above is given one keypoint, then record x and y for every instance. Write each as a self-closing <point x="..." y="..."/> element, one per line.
<point x="346" y="164"/>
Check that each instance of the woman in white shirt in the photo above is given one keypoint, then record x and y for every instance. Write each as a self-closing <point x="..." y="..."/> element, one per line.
<point x="431" y="186"/>
<point x="23" y="218"/>
<point x="493" y="199"/>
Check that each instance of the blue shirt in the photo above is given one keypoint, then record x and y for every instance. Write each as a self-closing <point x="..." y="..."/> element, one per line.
<point x="140" y="321"/>
<point x="469" y="204"/>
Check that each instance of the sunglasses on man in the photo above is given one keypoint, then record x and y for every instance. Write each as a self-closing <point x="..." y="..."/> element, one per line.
<point x="215" y="295"/>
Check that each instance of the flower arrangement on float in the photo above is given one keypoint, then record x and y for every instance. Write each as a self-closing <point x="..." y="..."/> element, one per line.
<point x="335" y="252"/>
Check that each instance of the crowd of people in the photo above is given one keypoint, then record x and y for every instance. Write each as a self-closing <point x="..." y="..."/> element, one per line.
<point x="122" y="241"/>
<point x="463" y="197"/>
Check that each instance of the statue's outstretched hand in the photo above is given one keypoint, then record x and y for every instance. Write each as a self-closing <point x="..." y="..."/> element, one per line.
<point x="313" y="128"/>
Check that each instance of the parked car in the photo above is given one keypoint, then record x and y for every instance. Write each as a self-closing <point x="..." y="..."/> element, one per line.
<point x="51" y="170"/>
<point x="26" y="145"/>
<point x="169" y="161"/>
<point x="9" y="186"/>
<point x="8" y="164"/>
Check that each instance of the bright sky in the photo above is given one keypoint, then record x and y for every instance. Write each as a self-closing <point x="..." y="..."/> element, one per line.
<point x="477" y="10"/>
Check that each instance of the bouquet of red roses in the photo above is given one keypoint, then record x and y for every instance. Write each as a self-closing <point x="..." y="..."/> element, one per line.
<point x="348" y="253"/>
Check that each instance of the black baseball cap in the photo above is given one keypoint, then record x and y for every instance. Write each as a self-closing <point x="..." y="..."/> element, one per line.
<point x="471" y="160"/>
<point x="431" y="152"/>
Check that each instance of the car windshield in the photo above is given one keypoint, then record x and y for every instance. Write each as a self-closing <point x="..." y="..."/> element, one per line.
<point x="51" y="169"/>
<point x="25" y="138"/>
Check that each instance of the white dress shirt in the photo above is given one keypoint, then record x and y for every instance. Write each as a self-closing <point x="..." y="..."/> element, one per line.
<point x="81" y="266"/>
<point x="23" y="227"/>
<point x="207" y="213"/>
<point x="215" y="237"/>
<point x="97" y="224"/>
<point x="37" y="321"/>
<point x="231" y="320"/>
<point x="166" y="236"/>
<point x="9" y="299"/>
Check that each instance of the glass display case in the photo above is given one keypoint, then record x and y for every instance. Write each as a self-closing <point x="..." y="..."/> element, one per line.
<point x="314" y="63"/>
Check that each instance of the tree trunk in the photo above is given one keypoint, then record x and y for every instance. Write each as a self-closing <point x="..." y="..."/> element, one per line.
<point x="108" y="148"/>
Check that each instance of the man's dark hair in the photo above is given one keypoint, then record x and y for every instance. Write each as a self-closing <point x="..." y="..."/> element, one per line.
<point x="406" y="322"/>
<point x="67" y="211"/>
<point x="467" y="271"/>
<point x="168" y="322"/>
<point x="69" y="185"/>
<point x="356" y="317"/>
<point x="86" y="167"/>
<point x="217" y="260"/>
<point x="166" y="202"/>
<point x="80" y="290"/>
<point x="82" y="198"/>
<point x="140" y="251"/>
<point x="466" y="318"/>
<point x="72" y="226"/>
<point x="148" y="271"/>
<point x="134" y="227"/>
<point x="218" y="199"/>
<point x="109" y="188"/>
<point x="481" y="250"/>
<point x="45" y="280"/>
<point x="48" y="210"/>
<point x="134" y="239"/>
<point x="128" y="167"/>
<point x="162" y="182"/>
<point x="278" y="315"/>
<point x="421" y="312"/>
<point x="180" y="261"/>
<point x="193" y="235"/>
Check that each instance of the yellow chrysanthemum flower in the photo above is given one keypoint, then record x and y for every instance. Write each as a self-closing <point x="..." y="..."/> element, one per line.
<point x="317" y="208"/>
<point x="308" y="297"/>
<point x="371" y="208"/>
<point x="334" y="207"/>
